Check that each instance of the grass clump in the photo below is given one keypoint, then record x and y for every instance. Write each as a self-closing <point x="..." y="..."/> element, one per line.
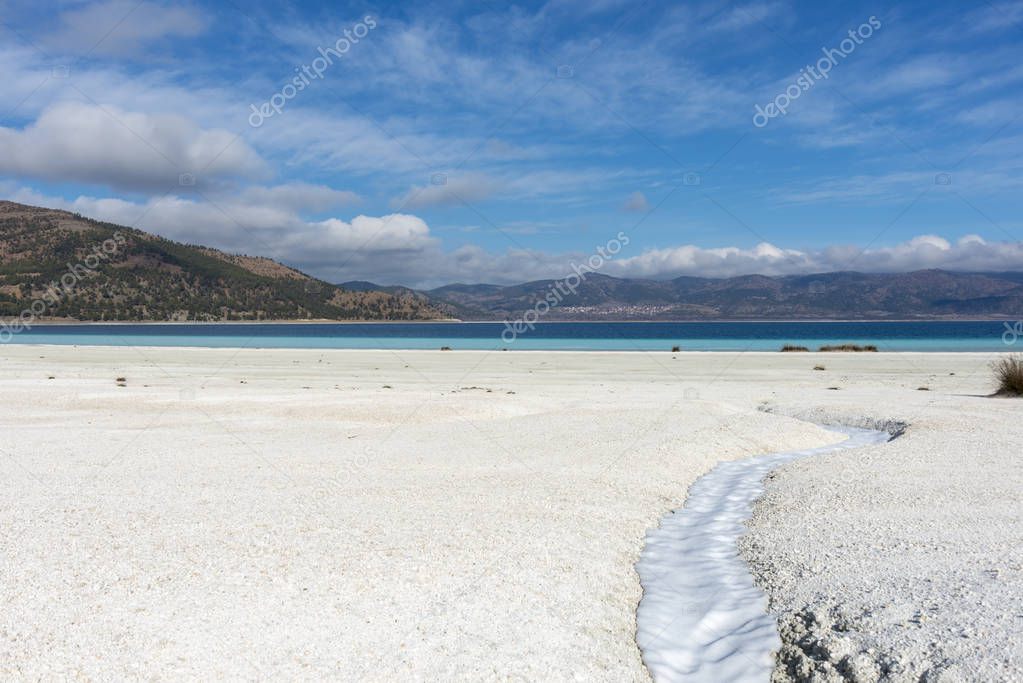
<point x="793" y="347"/>
<point x="1009" y="375"/>
<point x="849" y="347"/>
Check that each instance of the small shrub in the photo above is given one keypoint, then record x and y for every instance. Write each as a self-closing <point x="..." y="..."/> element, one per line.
<point x="849" y="347"/>
<point x="792" y="347"/>
<point x="676" y="349"/>
<point x="445" y="348"/>
<point x="1009" y="375"/>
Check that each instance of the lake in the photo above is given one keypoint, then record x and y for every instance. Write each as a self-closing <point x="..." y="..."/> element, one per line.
<point x="578" y="336"/>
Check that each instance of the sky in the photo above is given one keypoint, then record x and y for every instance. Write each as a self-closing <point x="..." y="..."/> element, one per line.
<point x="430" y="143"/>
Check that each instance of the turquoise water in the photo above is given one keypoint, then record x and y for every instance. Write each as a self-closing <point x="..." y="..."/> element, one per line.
<point x="639" y="336"/>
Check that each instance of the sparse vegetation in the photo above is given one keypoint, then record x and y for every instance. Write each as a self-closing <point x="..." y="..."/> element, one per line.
<point x="151" y="278"/>
<point x="1009" y="375"/>
<point x="676" y="349"/>
<point x="792" y="347"/>
<point x="849" y="347"/>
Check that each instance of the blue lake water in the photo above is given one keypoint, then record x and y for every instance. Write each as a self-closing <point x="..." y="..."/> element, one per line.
<point x="617" y="336"/>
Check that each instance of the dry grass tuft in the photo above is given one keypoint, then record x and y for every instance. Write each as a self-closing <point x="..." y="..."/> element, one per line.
<point x="1009" y="375"/>
<point x="849" y="347"/>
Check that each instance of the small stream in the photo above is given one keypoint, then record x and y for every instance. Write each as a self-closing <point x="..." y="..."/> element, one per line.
<point x="702" y="618"/>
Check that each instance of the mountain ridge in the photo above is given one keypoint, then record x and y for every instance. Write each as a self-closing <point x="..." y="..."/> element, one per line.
<point x="119" y="273"/>
<point x="929" y="294"/>
<point x="58" y="265"/>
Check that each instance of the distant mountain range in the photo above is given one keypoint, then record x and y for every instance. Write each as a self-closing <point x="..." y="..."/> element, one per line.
<point x="924" y="294"/>
<point x="56" y="265"/>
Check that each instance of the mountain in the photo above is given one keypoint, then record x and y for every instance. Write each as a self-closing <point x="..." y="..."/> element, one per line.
<point x="924" y="294"/>
<point x="59" y="265"/>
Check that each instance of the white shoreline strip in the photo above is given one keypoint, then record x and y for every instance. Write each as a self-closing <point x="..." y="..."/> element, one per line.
<point x="702" y="618"/>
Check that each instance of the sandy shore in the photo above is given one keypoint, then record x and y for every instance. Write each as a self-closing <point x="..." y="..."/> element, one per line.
<point x="375" y="514"/>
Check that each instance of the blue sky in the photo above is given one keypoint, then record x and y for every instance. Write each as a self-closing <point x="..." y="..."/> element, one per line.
<point x="485" y="142"/>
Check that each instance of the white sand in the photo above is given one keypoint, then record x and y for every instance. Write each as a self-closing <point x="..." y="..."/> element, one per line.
<point x="310" y="522"/>
<point x="902" y="562"/>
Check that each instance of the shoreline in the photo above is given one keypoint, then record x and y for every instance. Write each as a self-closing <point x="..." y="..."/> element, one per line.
<point x="992" y="319"/>
<point x="453" y="350"/>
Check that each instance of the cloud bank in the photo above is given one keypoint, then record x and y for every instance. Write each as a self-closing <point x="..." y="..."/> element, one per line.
<point x="400" y="248"/>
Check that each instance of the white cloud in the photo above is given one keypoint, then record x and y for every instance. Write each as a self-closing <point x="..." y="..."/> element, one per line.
<point x="997" y="16"/>
<point x="106" y="145"/>
<point x="446" y="191"/>
<point x="298" y="197"/>
<point x="903" y="186"/>
<point x="990" y="113"/>
<point x="122" y="27"/>
<point x="401" y="249"/>
<point x="744" y="16"/>
<point x="921" y="73"/>
<point x="970" y="253"/>
<point x="636" y="203"/>
<point x="257" y="224"/>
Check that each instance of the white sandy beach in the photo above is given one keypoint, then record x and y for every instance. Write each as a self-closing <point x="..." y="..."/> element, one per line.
<point x="411" y="515"/>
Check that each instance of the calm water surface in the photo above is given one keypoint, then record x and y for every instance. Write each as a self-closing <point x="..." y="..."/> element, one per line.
<point x="619" y="336"/>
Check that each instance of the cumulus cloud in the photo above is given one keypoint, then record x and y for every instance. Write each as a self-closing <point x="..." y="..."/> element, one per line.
<point x="105" y="145"/>
<point x="400" y="248"/>
<point x="123" y="27"/>
<point x="256" y="224"/>
<point x="969" y="253"/>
